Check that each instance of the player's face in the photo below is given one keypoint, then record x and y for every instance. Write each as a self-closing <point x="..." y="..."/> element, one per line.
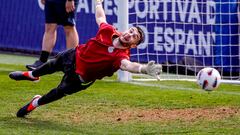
<point x="130" y="37"/>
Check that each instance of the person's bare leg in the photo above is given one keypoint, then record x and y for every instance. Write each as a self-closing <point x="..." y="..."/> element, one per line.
<point x="72" y="39"/>
<point x="48" y="43"/>
<point x="49" y="37"/>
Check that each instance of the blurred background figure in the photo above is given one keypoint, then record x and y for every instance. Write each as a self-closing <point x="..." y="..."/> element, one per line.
<point x="57" y="12"/>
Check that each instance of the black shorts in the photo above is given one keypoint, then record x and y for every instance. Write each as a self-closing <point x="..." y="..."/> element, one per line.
<point x="56" y="13"/>
<point x="65" y="61"/>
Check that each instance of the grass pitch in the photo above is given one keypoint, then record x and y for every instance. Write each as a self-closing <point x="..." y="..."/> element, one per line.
<point x="110" y="107"/>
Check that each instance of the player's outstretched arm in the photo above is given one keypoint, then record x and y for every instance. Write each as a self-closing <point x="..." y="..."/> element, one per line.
<point x="151" y="68"/>
<point x="100" y="14"/>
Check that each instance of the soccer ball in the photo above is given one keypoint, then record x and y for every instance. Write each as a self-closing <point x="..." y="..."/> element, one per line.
<point x="208" y="78"/>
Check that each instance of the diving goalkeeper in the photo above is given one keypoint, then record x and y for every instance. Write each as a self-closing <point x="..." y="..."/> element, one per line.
<point x="101" y="56"/>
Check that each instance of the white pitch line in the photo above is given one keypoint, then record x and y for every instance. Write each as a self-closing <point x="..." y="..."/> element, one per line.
<point x="179" y="88"/>
<point x="162" y="86"/>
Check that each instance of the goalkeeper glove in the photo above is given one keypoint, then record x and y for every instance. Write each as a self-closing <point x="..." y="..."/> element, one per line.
<point x="151" y="69"/>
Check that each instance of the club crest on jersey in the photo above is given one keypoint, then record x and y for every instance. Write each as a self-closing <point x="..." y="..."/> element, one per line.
<point x="110" y="49"/>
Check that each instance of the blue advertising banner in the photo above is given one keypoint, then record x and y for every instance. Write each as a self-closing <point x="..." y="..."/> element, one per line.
<point x="190" y="32"/>
<point x="22" y="24"/>
<point x="197" y="33"/>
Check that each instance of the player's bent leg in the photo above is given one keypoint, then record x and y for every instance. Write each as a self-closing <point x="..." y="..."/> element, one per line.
<point x="27" y="75"/>
<point x="69" y="85"/>
<point x="25" y="110"/>
<point x="49" y="67"/>
<point x="51" y="96"/>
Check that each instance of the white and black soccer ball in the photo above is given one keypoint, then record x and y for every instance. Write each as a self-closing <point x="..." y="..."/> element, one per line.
<point x="208" y="79"/>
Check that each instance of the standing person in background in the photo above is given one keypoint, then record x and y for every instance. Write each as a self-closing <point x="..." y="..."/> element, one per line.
<point x="57" y="12"/>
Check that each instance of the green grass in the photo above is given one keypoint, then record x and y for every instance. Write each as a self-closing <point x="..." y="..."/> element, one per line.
<point x="110" y="107"/>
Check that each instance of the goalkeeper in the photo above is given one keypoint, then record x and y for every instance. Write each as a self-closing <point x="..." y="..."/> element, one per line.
<point x="101" y="56"/>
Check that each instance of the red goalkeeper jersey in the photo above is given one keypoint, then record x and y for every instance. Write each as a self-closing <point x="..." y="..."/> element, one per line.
<point x="98" y="58"/>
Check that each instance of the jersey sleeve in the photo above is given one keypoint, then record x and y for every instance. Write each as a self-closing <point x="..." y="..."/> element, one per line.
<point x="120" y="57"/>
